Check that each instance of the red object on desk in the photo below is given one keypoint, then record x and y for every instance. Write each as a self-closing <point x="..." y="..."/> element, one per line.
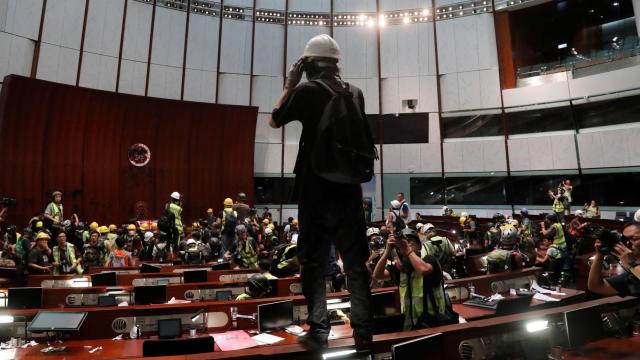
<point x="234" y="340"/>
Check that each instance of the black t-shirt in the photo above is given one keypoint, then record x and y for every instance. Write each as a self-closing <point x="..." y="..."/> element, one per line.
<point x="306" y="103"/>
<point x="38" y="257"/>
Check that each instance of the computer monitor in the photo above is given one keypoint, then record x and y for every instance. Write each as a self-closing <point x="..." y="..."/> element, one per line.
<point x="514" y="305"/>
<point x="107" y="300"/>
<point x="25" y="298"/>
<point x="104" y="279"/>
<point x="412" y="348"/>
<point x="169" y="328"/>
<point x="583" y="326"/>
<point x="194" y="276"/>
<point x="275" y="315"/>
<point x="223" y="295"/>
<point x="384" y="303"/>
<point x="148" y="268"/>
<point x="150" y="294"/>
<point x="57" y="321"/>
<point x="221" y="266"/>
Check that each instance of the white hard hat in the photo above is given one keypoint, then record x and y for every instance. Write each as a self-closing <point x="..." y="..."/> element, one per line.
<point x="445" y="208"/>
<point x="395" y="204"/>
<point x="419" y="225"/>
<point x="580" y="213"/>
<point x="322" y="46"/>
<point x="268" y="231"/>
<point x="148" y="235"/>
<point x="464" y="214"/>
<point x="428" y="226"/>
<point x="191" y="241"/>
<point x="175" y="195"/>
<point x="372" y="231"/>
<point x="636" y="217"/>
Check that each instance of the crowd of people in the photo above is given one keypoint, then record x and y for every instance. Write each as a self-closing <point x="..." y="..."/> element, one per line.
<point x="52" y="244"/>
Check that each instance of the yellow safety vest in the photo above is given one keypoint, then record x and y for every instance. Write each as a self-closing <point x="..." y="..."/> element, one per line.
<point x="71" y="255"/>
<point x="558" y="207"/>
<point x="558" y="239"/>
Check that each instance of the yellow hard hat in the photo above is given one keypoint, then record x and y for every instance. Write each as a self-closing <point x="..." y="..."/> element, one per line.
<point x="209" y="211"/>
<point x="265" y="221"/>
<point x="39" y="224"/>
<point x="131" y="227"/>
<point x="43" y="235"/>
<point x="112" y="227"/>
<point x="271" y="226"/>
<point x="154" y="226"/>
<point x="103" y="229"/>
<point x="295" y="222"/>
<point x="228" y="202"/>
<point x="93" y="226"/>
<point x="195" y="225"/>
<point x="462" y="220"/>
<point x="143" y="226"/>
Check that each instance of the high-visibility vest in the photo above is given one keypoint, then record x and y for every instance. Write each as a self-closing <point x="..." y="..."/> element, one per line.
<point x="558" y="207"/>
<point x="56" y="211"/>
<point x="411" y="300"/>
<point x="244" y="296"/>
<point x="177" y="212"/>
<point x="591" y="212"/>
<point x="248" y="254"/>
<point x="283" y="263"/>
<point x="71" y="256"/>
<point x="558" y="239"/>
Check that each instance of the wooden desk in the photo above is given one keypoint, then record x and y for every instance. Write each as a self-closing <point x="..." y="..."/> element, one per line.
<point x="472" y="313"/>
<point x="626" y="348"/>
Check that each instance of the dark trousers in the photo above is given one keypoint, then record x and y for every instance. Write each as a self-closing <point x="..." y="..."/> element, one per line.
<point x="332" y="213"/>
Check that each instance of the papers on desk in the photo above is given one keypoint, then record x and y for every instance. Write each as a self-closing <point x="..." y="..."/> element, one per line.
<point x="177" y="301"/>
<point x="268" y="339"/>
<point x="8" y="354"/>
<point x="543" y="297"/>
<point x="294" y="329"/>
<point x="234" y="340"/>
<point x="537" y="288"/>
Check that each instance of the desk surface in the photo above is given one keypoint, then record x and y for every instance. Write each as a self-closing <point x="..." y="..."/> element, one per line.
<point x="79" y="349"/>
<point x="626" y="348"/>
<point x="471" y="313"/>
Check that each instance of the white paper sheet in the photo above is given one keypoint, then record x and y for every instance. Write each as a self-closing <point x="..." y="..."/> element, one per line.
<point x="267" y="338"/>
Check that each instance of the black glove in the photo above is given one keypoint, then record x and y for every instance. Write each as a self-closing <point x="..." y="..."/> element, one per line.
<point x="295" y="74"/>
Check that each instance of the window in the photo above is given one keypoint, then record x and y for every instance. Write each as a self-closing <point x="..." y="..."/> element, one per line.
<point x="472" y="126"/>
<point x="619" y="189"/>
<point x="427" y="191"/>
<point x="608" y="112"/>
<point x="273" y="190"/>
<point x="374" y="124"/>
<point x="405" y="128"/>
<point x="540" y="120"/>
<point x="533" y="190"/>
<point x="477" y="190"/>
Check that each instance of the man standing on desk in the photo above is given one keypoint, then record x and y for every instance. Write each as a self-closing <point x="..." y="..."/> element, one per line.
<point x="627" y="283"/>
<point x="329" y="211"/>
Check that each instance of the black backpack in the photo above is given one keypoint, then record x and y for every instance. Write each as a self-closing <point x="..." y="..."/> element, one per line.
<point x="344" y="151"/>
<point x="230" y="221"/>
<point x="166" y="221"/>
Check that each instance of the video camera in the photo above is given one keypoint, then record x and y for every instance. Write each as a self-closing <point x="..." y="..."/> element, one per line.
<point x="608" y="238"/>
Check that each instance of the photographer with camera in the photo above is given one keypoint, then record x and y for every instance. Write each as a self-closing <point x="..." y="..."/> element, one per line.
<point x="423" y="300"/>
<point x="66" y="258"/>
<point x="559" y="200"/>
<point x="608" y="242"/>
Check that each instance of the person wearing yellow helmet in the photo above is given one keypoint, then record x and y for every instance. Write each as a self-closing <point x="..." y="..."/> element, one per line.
<point x="40" y="256"/>
<point x="228" y="220"/>
<point x="113" y="233"/>
<point x="132" y="241"/>
<point x="468" y="229"/>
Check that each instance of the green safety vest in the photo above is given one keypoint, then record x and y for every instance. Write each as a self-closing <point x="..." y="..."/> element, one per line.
<point x="248" y="255"/>
<point x="558" y="207"/>
<point x="591" y="212"/>
<point x="19" y="249"/>
<point x="56" y="212"/>
<point x="285" y="262"/>
<point x="559" y="240"/>
<point x="411" y="300"/>
<point x="177" y="212"/>
<point x="269" y="276"/>
<point x="71" y="253"/>
<point x="244" y="296"/>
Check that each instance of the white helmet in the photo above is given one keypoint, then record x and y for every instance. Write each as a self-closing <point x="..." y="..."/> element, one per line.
<point x="445" y="208"/>
<point x="372" y="231"/>
<point x="464" y="214"/>
<point x="148" y="235"/>
<point x="175" y="195"/>
<point x="322" y="46"/>
<point x="636" y="217"/>
<point x="428" y="226"/>
<point x="580" y="213"/>
<point x="268" y="231"/>
<point x="419" y="225"/>
<point x="395" y="204"/>
<point x="191" y="241"/>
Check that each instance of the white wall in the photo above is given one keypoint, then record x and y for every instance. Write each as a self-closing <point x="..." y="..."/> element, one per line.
<point x="201" y="65"/>
<point x="539" y="152"/>
<point x="135" y="49"/>
<point x="610" y="147"/>
<point x="475" y="155"/>
<point x="16" y="54"/>
<point x="167" y="53"/>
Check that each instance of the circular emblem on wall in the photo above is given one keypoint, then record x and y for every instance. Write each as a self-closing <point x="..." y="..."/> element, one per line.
<point x="139" y="154"/>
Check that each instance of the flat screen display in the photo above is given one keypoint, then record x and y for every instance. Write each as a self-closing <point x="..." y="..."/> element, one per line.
<point x="223" y="295"/>
<point x="275" y="315"/>
<point x="384" y="303"/>
<point x="25" y="298"/>
<point x="147" y="268"/>
<point x="169" y="328"/>
<point x="412" y="348"/>
<point x="104" y="279"/>
<point x="195" y="276"/>
<point x="151" y="294"/>
<point x="57" y="321"/>
<point x="583" y="326"/>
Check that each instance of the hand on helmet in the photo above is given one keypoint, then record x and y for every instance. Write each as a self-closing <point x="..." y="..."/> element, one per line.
<point x="295" y="74"/>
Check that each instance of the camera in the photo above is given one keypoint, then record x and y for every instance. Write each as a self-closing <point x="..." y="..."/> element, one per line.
<point x="8" y="201"/>
<point x="608" y="238"/>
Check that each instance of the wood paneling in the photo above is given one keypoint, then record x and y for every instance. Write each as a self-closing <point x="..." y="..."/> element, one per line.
<point x="59" y="137"/>
<point x="505" y="49"/>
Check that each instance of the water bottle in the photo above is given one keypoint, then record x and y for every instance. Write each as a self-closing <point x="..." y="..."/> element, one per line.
<point x="472" y="288"/>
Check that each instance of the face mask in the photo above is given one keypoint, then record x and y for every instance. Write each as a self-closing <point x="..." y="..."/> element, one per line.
<point x="132" y="232"/>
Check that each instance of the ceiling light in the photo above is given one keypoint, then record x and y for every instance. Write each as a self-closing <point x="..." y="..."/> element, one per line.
<point x="406" y="20"/>
<point x="371" y="22"/>
<point x="382" y="21"/>
<point x="425" y="12"/>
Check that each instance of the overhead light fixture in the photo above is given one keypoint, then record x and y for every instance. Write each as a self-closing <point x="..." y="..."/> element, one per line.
<point x="371" y="23"/>
<point x="425" y="12"/>
<point x="406" y="20"/>
<point x="616" y="3"/>
<point x="382" y="21"/>
<point x="537" y="325"/>
<point x="562" y="46"/>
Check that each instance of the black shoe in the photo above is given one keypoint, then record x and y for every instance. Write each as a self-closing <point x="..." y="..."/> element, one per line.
<point x="313" y="341"/>
<point x="364" y="342"/>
